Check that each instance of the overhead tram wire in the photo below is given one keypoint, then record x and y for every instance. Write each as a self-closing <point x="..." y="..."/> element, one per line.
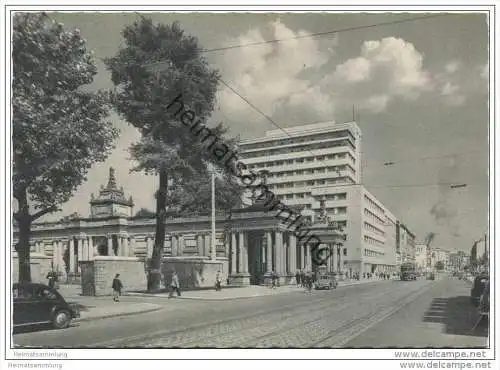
<point x="354" y="28"/>
<point x="319" y="34"/>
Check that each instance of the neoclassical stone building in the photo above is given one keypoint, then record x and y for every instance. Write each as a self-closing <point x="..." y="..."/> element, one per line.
<point x="250" y="242"/>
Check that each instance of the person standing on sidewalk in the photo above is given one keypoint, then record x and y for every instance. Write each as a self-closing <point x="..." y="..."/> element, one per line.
<point x="174" y="285"/>
<point x="297" y="278"/>
<point x="117" y="288"/>
<point x="218" y="281"/>
<point x="52" y="279"/>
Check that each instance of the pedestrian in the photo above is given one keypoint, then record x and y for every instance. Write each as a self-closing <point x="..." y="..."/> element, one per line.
<point x="117" y="288"/>
<point x="174" y="285"/>
<point x="297" y="278"/>
<point x="273" y="279"/>
<point x="218" y="281"/>
<point x="302" y="278"/>
<point x="52" y="279"/>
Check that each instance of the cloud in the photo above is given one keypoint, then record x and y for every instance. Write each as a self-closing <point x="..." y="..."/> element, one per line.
<point x="300" y="77"/>
<point x="452" y="67"/>
<point x="452" y="95"/>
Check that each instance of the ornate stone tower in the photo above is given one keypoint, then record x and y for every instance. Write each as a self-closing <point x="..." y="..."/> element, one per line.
<point x="111" y="200"/>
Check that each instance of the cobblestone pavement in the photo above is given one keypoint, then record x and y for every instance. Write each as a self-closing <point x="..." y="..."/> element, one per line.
<point x="316" y="319"/>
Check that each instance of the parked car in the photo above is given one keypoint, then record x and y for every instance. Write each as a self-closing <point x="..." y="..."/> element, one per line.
<point x="325" y="281"/>
<point x="477" y="289"/>
<point x="37" y="304"/>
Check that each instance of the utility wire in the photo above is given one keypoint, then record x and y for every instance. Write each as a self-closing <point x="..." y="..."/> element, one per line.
<point x="417" y="159"/>
<point x="340" y="30"/>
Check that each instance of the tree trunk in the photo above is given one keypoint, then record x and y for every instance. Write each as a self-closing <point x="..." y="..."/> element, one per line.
<point x="23" y="246"/>
<point x="154" y="277"/>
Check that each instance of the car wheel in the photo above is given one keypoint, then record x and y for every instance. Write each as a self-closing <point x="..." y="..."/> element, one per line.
<point x="61" y="319"/>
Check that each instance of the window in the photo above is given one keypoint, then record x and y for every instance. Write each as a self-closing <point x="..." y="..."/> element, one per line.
<point x="44" y="293"/>
<point x="345" y="251"/>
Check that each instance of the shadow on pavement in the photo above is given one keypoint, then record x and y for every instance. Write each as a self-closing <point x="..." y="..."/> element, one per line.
<point x="458" y="316"/>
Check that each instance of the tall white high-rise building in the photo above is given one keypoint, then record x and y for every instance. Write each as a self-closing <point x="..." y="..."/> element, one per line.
<point x="306" y="157"/>
<point x="322" y="161"/>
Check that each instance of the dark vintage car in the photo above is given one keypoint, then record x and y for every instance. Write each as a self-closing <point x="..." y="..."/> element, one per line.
<point x="37" y="304"/>
<point x="478" y="288"/>
<point x="325" y="281"/>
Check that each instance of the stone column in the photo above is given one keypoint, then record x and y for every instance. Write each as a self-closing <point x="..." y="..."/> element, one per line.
<point x="125" y="247"/>
<point x="175" y="245"/>
<point x="227" y="246"/>
<point x="92" y="248"/>
<point x="71" y="255"/>
<point x="309" y="257"/>
<point x="55" y="254"/>
<point x="269" y="250"/>
<point x="79" y="248"/>
<point x="278" y="252"/>
<point x="207" y="245"/>
<point x="199" y="243"/>
<point x="110" y="245"/>
<point x="85" y="249"/>
<point x="131" y="249"/>
<point x="303" y="249"/>
<point x="180" y="248"/>
<point x="292" y="254"/>
<point x="242" y="259"/>
<point x="234" y="254"/>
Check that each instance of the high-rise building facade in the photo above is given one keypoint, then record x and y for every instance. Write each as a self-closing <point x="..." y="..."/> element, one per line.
<point x="321" y="154"/>
<point x="323" y="162"/>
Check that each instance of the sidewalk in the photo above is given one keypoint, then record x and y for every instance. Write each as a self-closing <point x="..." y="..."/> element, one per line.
<point x="251" y="291"/>
<point x="95" y="308"/>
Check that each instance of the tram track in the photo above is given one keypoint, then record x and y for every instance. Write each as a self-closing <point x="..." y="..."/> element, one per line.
<point x="269" y="323"/>
<point x="265" y="316"/>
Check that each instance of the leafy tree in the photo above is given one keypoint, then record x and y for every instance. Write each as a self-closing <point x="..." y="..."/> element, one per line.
<point x="59" y="130"/>
<point x="144" y="213"/>
<point x="158" y="63"/>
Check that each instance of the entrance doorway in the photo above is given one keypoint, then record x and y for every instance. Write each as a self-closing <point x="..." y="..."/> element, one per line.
<point x="256" y="266"/>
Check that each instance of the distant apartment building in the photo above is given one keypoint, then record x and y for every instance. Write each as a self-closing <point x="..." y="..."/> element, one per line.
<point x="406" y="241"/>
<point x="458" y="260"/>
<point x="421" y="256"/>
<point x="323" y="162"/>
<point x="441" y="256"/>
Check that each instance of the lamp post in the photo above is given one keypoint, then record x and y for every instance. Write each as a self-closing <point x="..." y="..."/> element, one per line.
<point x="214" y="249"/>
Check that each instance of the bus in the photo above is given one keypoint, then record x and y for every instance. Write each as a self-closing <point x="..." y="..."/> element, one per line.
<point x="408" y="271"/>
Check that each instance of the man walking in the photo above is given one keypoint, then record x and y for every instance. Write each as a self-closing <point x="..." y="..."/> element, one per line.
<point x="174" y="285"/>
<point x="218" y="281"/>
<point x="297" y="278"/>
<point x="117" y="288"/>
<point x="52" y="279"/>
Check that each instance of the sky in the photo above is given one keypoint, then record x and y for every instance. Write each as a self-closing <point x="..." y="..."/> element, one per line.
<point x="420" y="92"/>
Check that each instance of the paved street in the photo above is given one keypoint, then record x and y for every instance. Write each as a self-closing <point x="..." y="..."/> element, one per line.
<point x="378" y="314"/>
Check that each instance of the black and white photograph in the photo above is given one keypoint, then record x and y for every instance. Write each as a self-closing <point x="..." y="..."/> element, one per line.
<point x="317" y="180"/>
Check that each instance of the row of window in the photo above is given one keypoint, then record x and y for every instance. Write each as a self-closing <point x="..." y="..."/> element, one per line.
<point x="319" y="158"/>
<point x="301" y="184"/>
<point x="302" y="139"/>
<point x="372" y="241"/>
<point x="373" y="217"/>
<point x="372" y="253"/>
<point x="310" y="171"/>
<point x="301" y="148"/>
<point x="374" y="205"/>
<point x="374" y="229"/>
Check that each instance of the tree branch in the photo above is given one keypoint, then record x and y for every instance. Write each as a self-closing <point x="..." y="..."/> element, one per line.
<point x="44" y="212"/>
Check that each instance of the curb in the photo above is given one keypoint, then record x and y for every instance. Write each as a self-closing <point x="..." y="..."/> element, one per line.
<point x="214" y="299"/>
<point x="117" y="315"/>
